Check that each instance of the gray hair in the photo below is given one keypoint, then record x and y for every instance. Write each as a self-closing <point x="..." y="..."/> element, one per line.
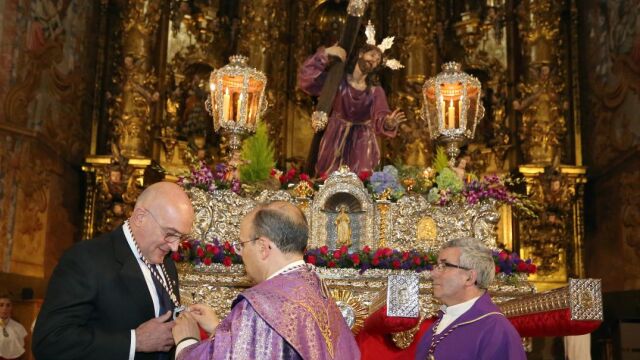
<point x="474" y="255"/>
<point x="289" y="232"/>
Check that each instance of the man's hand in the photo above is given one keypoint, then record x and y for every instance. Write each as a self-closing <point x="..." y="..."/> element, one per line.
<point x="186" y="326"/>
<point x="336" y="51"/>
<point x="205" y="316"/>
<point x="155" y="335"/>
<point x="394" y="119"/>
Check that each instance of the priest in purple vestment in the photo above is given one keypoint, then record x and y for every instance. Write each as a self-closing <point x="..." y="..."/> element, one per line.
<point x="359" y="113"/>
<point x="469" y="325"/>
<point x="287" y="315"/>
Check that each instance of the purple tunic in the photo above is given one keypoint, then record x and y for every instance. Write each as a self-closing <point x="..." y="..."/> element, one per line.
<point x="356" y="118"/>
<point x="286" y="317"/>
<point x="490" y="337"/>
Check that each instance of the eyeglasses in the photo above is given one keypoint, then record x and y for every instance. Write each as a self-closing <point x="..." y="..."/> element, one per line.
<point x="441" y="266"/>
<point x="238" y="246"/>
<point x="169" y="236"/>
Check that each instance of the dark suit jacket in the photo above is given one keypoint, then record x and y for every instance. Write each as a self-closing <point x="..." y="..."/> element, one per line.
<point x="96" y="296"/>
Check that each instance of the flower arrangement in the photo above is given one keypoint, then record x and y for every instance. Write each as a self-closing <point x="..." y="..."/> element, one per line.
<point x="290" y="178"/>
<point x="510" y="263"/>
<point x="196" y="252"/>
<point x="207" y="178"/>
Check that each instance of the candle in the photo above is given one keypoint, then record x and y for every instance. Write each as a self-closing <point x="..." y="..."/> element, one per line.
<point x="225" y="105"/>
<point x="452" y="115"/>
<point x="238" y="108"/>
<point x="444" y="112"/>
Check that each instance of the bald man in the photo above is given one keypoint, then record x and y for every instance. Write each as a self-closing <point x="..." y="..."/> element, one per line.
<point x="286" y="315"/>
<point x="112" y="297"/>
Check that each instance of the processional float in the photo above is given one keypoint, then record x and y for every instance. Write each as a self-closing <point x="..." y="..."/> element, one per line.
<point x="380" y="274"/>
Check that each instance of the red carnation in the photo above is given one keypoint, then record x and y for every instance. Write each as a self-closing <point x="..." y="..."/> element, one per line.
<point x="355" y="258"/>
<point x="207" y="261"/>
<point x="227" y="246"/>
<point x="232" y="250"/>
<point x="387" y="252"/>
<point x="417" y="260"/>
<point x="497" y="269"/>
<point x="304" y="177"/>
<point x="282" y="179"/>
<point x="216" y="250"/>
<point x="226" y="261"/>
<point x="503" y="255"/>
<point x="375" y="261"/>
<point x="200" y="252"/>
<point x="532" y="268"/>
<point x="405" y="255"/>
<point x="522" y="267"/>
<point x="186" y="244"/>
<point x="395" y="264"/>
<point x="344" y="249"/>
<point x="273" y="172"/>
<point x="311" y="259"/>
<point x="331" y="264"/>
<point x="364" y="175"/>
<point x="209" y="248"/>
<point x="366" y="249"/>
<point x="337" y="254"/>
<point x="175" y="256"/>
<point x="291" y="173"/>
<point x="324" y="250"/>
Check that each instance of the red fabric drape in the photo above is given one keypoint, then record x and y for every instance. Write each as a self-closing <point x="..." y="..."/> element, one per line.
<point x="375" y="341"/>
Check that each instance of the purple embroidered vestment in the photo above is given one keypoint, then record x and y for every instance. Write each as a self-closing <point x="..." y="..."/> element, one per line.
<point x="286" y="317"/>
<point x="491" y="338"/>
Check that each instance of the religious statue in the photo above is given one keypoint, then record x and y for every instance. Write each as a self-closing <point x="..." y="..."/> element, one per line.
<point x="360" y="111"/>
<point x="343" y="227"/>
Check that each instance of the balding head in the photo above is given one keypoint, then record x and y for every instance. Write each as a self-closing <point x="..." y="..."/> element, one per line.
<point x="162" y="214"/>
<point x="283" y="223"/>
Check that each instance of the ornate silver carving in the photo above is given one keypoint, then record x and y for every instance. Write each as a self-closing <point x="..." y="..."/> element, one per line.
<point x="403" y="296"/>
<point x="343" y="186"/>
<point x="218" y="213"/>
<point x="319" y="120"/>
<point x="218" y="286"/>
<point x="585" y="299"/>
<point x="451" y="221"/>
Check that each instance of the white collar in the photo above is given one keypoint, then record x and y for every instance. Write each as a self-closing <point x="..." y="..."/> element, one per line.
<point x="286" y="267"/>
<point x="459" y="309"/>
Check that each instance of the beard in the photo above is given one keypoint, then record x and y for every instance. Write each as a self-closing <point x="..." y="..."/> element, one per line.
<point x="365" y="66"/>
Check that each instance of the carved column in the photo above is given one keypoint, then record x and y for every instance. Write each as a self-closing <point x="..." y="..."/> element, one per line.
<point x="555" y="239"/>
<point x="262" y="38"/>
<point x="136" y="77"/>
<point x="543" y="101"/>
<point x="412" y="24"/>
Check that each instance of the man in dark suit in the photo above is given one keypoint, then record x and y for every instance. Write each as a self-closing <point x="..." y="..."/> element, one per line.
<point x="112" y="297"/>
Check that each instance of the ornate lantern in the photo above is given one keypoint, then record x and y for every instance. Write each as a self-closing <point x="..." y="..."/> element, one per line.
<point x="237" y="99"/>
<point x="452" y="107"/>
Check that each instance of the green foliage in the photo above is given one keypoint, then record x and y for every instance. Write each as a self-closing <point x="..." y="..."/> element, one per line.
<point x="447" y="179"/>
<point x="258" y="156"/>
<point x="441" y="161"/>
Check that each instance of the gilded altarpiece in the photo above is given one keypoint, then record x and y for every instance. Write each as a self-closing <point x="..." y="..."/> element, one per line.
<point x="45" y="96"/>
<point x="154" y="109"/>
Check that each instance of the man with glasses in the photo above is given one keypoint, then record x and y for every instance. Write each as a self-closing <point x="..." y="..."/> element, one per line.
<point x="470" y="325"/>
<point x="288" y="314"/>
<point x="113" y="297"/>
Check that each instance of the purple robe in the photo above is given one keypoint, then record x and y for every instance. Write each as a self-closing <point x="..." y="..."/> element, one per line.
<point x="286" y="317"/>
<point x="357" y="116"/>
<point x="492" y="337"/>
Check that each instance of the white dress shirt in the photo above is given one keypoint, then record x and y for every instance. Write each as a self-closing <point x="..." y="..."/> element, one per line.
<point x="147" y="278"/>
<point x="453" y="312"/>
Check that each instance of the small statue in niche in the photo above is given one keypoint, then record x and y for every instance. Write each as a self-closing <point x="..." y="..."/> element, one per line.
<point x="343" y="227"/>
